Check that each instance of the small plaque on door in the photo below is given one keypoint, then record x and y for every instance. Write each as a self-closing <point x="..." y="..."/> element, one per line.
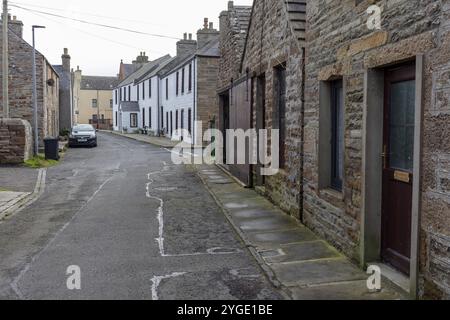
<point x="402" y="176"/>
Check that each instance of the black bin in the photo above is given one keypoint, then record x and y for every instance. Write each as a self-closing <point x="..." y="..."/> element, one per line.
<point x="51" y="148"/>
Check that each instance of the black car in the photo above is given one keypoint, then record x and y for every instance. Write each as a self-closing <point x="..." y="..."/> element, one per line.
<point x="83" y="135"/>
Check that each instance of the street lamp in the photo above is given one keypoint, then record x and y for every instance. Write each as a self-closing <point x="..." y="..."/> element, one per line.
<point x="35" y="108"/>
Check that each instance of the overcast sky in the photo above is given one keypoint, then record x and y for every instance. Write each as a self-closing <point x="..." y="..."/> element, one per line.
<point x="98" y="50"/>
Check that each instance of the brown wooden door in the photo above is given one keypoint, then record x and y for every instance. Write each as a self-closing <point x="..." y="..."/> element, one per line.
<point x="398" y="166"/>
<point x="241" y="118"/>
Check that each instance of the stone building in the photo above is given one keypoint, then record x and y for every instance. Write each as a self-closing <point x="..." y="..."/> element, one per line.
<point x="21" y="84"/>
<point x="261" y="77"/>
<point x="94" y="99"/>
<point x="66" y="113"/>
<point x="379" y="191"/>
<point x="363" y="112"/>
<point x="173" y="93"/>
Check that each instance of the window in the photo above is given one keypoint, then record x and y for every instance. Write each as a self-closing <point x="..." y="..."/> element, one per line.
<point x="167" y="122"/>
<point x="167" y="88"/>
<point x="133" y="120"/>
<point x="143" y="117"/>
<point x="162" y="118"/>
<point x="182" y="81"/>
<point x="111" y="103"/>
<point x="176" y="120"/>
<point x="190" y="78"/>
<point x="116" y="119"/>
<point x="137" y="92"/>
<point x="120" y="94"/>
<point x="129" y="93"/>
<point x="143" y="90"/>
<point x="150" y="117"/>
<point x="190" y="121"/>
<point x="94" y="118"/>
<point x="331" y="134"/>
<point x="177" y="82"/>
<point x="337" y="134"/>
<point x="150" y="88"/>
<point x="280" y="116"/>
<point x="182" y="118"/>
<point x="171" y="123"/>
<point x="115" y="95"/>
<point x="94" y="103"/>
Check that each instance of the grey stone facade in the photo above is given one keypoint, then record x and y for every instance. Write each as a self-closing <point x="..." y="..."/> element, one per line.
<point x="20" y="86"/>
<point x="333" y="41"/>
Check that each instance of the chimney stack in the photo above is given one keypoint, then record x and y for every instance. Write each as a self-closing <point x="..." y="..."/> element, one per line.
<point x="15" y="26"/>
<point x="207" y="34"/>
<point x="140" y="60"/>
<point x="66" y="60"/>
<point x="186" y="46"/>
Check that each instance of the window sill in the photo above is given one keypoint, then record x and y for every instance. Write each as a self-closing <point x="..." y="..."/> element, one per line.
<point x="332" y="193"/>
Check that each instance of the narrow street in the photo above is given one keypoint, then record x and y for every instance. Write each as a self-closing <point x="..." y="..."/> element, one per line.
<point x="136" y="226"/>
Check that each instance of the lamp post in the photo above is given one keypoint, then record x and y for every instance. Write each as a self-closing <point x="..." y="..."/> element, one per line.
<point x="35" y="108"/>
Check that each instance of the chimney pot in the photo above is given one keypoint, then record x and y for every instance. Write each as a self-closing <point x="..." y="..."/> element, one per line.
<point x="211" y="25"/>
<point x="205" y="25"/>
<point x="185" y="36"/>
<point x="230" y="5"/>
<point x="14" y="18"/>
<point x="66" y="51"/>
<point x="190" y="36"/>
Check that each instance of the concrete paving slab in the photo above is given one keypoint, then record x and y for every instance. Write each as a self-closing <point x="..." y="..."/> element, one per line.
<point x="275" y="239"/>
<point x="317" y="272"/>
<point x="354" y="290"/>
<point x="253" y="213"/>
<point x="312" y="250"/>
<point x="265" y="224"/>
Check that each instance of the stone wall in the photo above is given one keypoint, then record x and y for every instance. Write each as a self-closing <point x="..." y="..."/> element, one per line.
<point x="21" y="88"/>
<point x="15" y="141"/>
<point x="339" y="44"/>
<point x="270" y="44"/>
<point x="208" y="107"/>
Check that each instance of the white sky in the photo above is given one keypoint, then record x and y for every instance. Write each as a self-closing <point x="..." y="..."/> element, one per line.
<point x="87" y="44"/>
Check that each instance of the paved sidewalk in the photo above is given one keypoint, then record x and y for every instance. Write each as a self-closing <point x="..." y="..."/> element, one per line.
<point x="19" y="187"/>
<point x="295" y="259"/>
<point x="156" y="141"/>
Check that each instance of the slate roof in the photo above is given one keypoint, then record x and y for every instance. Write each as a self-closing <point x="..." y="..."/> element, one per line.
<point x="240" y="19"/>
<point x="211" y="49"/>
<point x="147" y="68"/>
<point x="128" y="69"/>
<point x="98" y="83"/>
<point x="65" y="79"/>
<point x="129" y="106"/>
<point x="296" y="10"/>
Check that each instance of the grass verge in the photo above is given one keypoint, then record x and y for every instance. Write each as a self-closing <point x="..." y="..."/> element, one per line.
<point x="40" y="162"/>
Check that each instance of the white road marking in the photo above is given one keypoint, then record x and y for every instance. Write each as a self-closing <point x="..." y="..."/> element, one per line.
<point x="157" y="280"/>
<point x="160" y="218"/>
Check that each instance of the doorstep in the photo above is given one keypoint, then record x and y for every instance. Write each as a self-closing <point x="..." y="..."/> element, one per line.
<point x="298" y="262"/>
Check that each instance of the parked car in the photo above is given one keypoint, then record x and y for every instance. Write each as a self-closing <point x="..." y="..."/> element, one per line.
<point x="83" y="135"/>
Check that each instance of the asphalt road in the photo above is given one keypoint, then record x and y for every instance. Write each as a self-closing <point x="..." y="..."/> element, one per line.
<point x="136" y="226"/>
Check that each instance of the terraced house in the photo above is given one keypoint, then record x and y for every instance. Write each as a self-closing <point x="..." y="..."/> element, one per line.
<point x="360" y="92"/>
<point x="172" y="93"/>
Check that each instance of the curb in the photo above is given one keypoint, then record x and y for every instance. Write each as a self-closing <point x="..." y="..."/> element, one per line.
<point x="26" y="200"/>
<point x="270" y="275"/>
<point x="131" y="138"/>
